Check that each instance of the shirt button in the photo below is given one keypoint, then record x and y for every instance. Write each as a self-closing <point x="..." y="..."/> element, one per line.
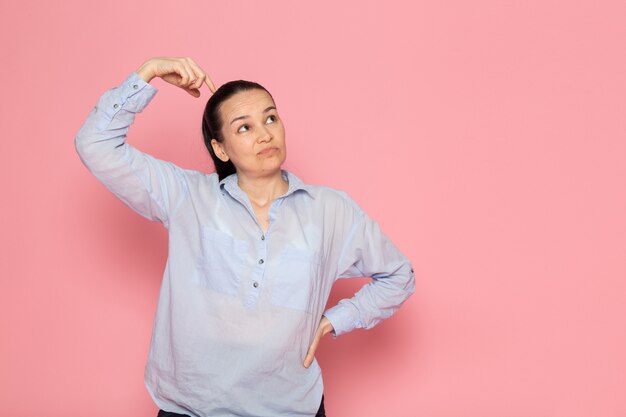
<point x="135" y="86"/>
<point x="256" y="284"/>
<point x="261" y="261"/>
<point x="115" y="106"/>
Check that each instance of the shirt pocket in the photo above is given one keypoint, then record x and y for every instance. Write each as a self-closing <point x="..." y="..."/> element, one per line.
<point x="295" y="279"/>
<point x="221" y="261"/>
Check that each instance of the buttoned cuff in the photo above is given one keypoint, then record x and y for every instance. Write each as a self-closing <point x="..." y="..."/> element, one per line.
<point x="342" y="319"/>
<point x="133" y="94"/>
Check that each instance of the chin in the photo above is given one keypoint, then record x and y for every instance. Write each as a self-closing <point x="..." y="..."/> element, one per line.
<point x="273" y="167"/>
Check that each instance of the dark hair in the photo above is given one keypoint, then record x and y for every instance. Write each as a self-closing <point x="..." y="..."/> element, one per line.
<point x="212" y="122"/>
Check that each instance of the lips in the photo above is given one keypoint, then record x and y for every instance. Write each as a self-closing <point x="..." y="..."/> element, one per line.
<point x="268" y="151"/>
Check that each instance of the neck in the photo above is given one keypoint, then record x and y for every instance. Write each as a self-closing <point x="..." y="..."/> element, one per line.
<point x="262" y="190"/>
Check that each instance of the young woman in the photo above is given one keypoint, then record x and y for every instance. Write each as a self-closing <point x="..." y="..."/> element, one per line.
<point x="253" y="252"/>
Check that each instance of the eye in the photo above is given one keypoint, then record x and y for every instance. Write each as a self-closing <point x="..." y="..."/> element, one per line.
<point x="242" y="126"/>
<point x="272" y="117"/>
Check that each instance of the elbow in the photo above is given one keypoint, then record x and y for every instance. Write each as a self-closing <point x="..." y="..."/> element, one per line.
<point x="78" y="144"/>
<point x="81" y="140"/>
<point x="82" y="148"/>
<point x="86" y="136"/>
<point x="409" y="284"/>
<point x="85" y="147"/>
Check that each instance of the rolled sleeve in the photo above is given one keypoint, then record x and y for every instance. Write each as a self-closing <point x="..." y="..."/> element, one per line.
<point x="132" y="95"/>
<point x="369" y="253"/>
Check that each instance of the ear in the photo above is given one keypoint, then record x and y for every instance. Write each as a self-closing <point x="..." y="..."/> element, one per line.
<point x="219" y="150"/>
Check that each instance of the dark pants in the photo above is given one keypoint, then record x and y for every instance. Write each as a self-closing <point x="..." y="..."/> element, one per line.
<point x="320" y="413"/>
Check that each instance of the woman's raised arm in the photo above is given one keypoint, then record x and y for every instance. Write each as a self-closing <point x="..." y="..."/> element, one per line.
<point x="152" y="187"/>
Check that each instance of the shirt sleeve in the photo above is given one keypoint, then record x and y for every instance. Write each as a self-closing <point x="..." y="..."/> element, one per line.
<point x="153" y="188"/>
<point x="367" y="252"/>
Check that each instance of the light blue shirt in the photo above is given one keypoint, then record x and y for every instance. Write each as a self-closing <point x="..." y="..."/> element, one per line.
<point x="238" y="308"/>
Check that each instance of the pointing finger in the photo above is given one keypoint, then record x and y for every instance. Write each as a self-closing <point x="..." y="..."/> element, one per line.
<point x="311" y="353"/>
<point x="210" y="84"/>
<point x="200" y="71"/>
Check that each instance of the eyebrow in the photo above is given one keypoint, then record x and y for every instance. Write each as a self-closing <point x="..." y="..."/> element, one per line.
<point x="243" y="117"/>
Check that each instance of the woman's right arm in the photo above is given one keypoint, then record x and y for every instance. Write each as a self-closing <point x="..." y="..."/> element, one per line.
<point x="153" y="188"/>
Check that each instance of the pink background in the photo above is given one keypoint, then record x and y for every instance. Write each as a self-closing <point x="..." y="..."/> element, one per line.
<point x="488" y="138"/>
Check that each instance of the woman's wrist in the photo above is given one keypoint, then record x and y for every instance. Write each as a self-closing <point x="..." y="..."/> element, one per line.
<point x="145" y="71"/>
<point x="327" y="325"/>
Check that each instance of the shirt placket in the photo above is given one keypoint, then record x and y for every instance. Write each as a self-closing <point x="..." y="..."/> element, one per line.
<point x="262" y="241"/>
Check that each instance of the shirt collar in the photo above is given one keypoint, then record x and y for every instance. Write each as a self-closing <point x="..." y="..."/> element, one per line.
<point x="230" y="184"/>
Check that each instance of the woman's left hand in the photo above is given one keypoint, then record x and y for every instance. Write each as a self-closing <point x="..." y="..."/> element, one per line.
<point x="323" y="328"/>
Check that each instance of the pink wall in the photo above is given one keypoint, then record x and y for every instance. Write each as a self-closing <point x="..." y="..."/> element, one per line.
<point x="487" y="138"/>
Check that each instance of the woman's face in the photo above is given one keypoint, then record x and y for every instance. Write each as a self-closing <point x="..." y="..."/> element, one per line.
<point x="254" y="135"/>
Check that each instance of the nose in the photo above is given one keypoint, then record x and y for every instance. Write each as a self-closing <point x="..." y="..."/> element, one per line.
<point x="265" y="135"/>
